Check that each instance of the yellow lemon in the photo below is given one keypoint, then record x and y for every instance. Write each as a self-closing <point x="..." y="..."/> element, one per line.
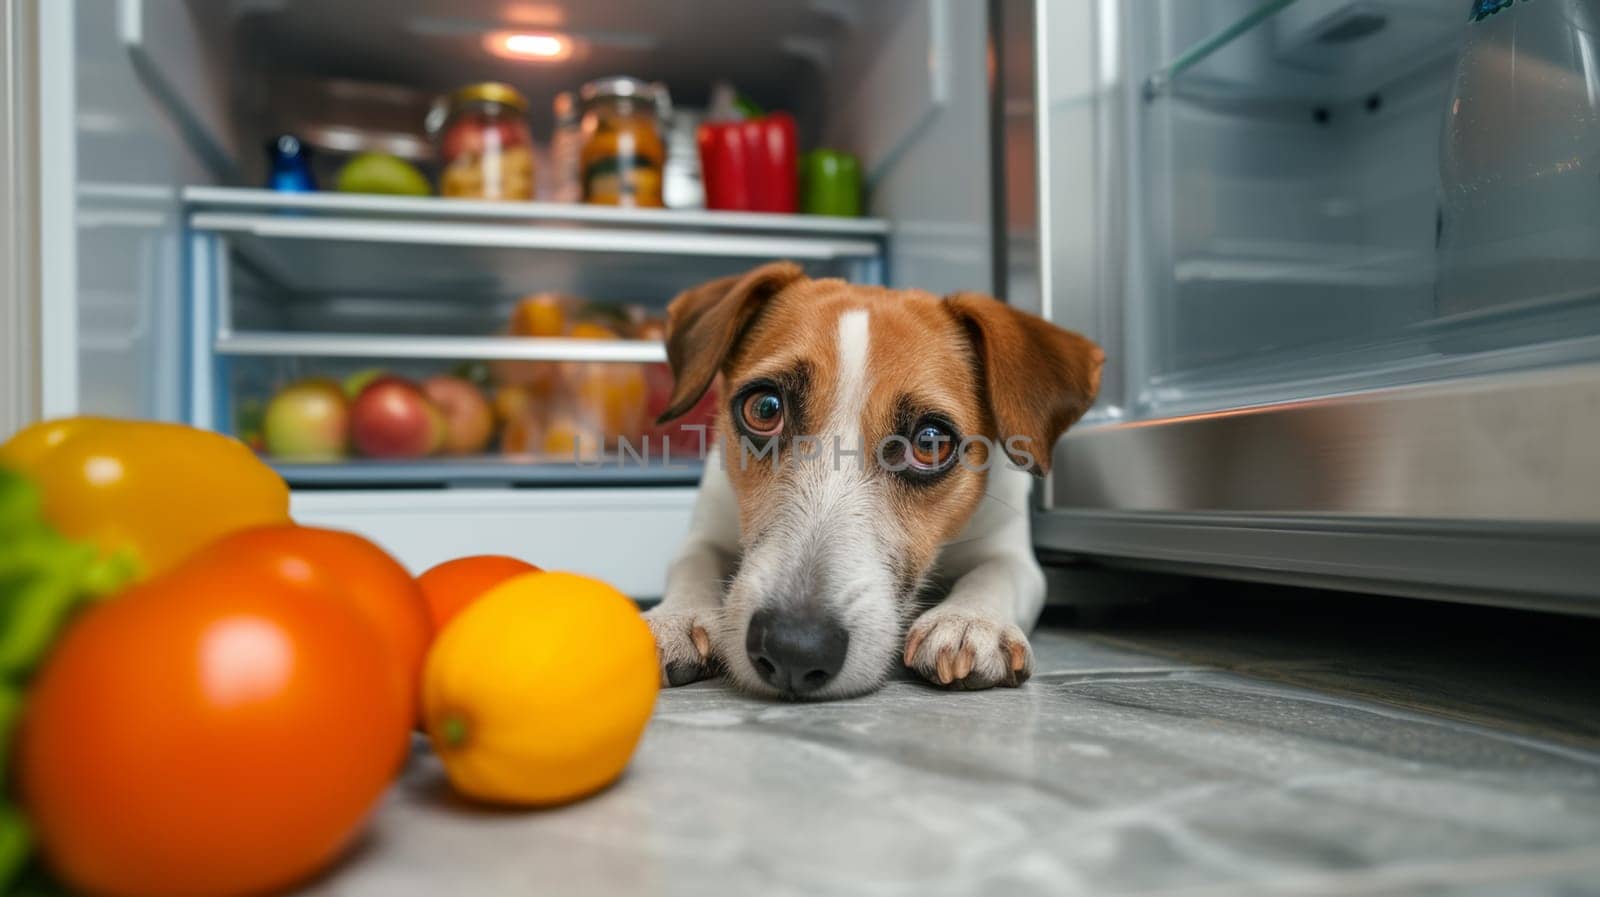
<point x="538" y="692"/>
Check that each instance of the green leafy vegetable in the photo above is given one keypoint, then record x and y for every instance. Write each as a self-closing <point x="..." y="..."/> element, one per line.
<point x="44" y="579"/>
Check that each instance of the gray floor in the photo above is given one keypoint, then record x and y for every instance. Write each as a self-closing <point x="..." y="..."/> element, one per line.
<point x="1328" y="748"/>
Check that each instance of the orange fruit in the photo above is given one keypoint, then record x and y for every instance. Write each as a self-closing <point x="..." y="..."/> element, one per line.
<point x="591" y="330"/>
<point x="213" y="731"/>
<point x="449" y="587"/>
<point x="344" y="565"/>
<point x="539" y="692"/>
<point x="540" y="314"/>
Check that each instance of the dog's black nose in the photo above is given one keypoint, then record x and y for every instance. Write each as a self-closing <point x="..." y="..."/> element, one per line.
<point x="798" y="653"/>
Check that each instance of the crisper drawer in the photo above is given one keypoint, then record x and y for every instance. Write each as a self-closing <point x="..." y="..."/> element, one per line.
<point x="379" y="342"/>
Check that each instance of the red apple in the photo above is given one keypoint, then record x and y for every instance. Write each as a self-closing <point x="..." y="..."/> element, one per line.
<point x="307" y="421"/>
<point x="468" y="418"/>
<point x="684" y="444"/>
<point x="393" y="419"/>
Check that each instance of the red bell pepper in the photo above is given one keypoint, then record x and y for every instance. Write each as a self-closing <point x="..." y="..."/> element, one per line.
<point x="751" y="165"/>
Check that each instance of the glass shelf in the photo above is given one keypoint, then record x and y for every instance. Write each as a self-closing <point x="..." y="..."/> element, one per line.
<point x="1161" y="81"/>
<point x="1287" y="51"/>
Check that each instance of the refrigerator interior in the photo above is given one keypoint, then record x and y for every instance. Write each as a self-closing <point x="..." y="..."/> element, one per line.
<point x="1307" y="180"/>
<point x="193" y="295"/>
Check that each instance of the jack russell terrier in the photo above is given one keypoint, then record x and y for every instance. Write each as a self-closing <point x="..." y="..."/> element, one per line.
<point x="873" y="455"/>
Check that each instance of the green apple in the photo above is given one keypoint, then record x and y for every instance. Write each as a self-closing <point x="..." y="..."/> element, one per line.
<point x="307" y="421"/>
<point x="358" y="381"/>
<point x="381" y="173"/>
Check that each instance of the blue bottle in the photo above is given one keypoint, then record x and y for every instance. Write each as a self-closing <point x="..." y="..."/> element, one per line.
<point x="291" y="165"/>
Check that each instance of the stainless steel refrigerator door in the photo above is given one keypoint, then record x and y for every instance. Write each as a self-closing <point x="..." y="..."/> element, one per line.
<point x="1249" y="229"/>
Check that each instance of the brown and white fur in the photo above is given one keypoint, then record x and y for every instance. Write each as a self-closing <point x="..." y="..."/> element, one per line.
<point x="830" y="552"/>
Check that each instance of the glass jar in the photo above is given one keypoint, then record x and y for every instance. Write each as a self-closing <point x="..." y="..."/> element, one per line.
<point x="622" y="150"/>
<point x="485" y="146"/>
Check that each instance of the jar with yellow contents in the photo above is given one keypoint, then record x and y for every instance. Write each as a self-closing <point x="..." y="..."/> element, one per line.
<point x="622" y="149"/>
<point x="485" y="145"/>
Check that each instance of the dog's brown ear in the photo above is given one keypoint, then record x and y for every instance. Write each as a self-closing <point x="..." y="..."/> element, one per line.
<point x="1039" y="378"/>
<point x="704" y="322"/>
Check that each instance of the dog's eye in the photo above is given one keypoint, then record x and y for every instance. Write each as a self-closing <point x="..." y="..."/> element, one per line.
<point x="932" y="446"/>
<point x="762" y="411"/>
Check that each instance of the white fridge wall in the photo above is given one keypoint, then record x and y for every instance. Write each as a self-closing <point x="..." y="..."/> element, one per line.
<point x="910" y="95"/>
<point x="112" y="164"/>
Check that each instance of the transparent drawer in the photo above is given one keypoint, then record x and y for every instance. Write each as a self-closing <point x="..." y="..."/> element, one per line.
<point x="371" y="421"/>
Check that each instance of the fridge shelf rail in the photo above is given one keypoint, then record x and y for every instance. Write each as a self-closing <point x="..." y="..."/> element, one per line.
<point x="336" y="205"/>
<point x="264" y="214"/>
<point x="453" y="348"/>
<point x="272" y="226"/>
<point x="654" y="467"/>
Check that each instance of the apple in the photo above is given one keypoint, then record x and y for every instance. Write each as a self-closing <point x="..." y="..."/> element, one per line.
<point x="307" y="421"/>
<point x="358" y="381"/>
<point x="468" y="418"/>
<point x="392" y="418"/>
<point x="685" y="444"/>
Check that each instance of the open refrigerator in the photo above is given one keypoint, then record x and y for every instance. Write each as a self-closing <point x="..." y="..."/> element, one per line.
<point x="1342" y="255"/>
<point x="176" y="287"/>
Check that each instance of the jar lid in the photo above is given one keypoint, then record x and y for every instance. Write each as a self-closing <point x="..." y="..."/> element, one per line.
<point x="618" y="86"/>
<point x="490" y="92"/>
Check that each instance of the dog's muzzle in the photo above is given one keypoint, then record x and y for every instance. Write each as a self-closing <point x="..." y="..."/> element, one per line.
<point x="796" y="652"/>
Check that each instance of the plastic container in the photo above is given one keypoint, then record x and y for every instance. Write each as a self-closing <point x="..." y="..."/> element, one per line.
<point x="566" y="151"/>
<point x="683" y="188"/>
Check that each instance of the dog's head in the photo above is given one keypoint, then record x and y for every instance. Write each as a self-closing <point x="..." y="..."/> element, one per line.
<point x="857" y="428"/>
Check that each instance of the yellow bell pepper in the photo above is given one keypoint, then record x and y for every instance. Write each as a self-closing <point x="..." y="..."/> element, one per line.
<point x="154" y="490"/>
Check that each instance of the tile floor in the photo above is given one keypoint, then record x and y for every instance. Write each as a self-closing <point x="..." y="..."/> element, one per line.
<point x="1332" y="746"/>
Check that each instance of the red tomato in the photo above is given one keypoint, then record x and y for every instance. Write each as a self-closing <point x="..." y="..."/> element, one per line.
<point x="451" y="586"/>
<point x="341" y="563"/>
<point x="209" y="732"/>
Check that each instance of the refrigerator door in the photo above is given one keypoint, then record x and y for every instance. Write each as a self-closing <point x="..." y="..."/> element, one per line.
<point x="1341" y="255"/>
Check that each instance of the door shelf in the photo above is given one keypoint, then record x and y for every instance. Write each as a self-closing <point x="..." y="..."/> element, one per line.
<point x="1161" y="81"/>
<point x="1297" y="51"/>
<point x="452" y="348"/>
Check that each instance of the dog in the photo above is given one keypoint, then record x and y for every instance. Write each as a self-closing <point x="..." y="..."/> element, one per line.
<point x="870" y="469"/>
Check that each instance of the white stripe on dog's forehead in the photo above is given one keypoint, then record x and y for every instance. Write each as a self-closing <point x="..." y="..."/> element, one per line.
<point x="854" y="343"/>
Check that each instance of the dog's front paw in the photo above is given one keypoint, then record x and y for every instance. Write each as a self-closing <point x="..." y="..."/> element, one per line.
<point x="682" y="645"/>
<point x="966" y="651"/>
